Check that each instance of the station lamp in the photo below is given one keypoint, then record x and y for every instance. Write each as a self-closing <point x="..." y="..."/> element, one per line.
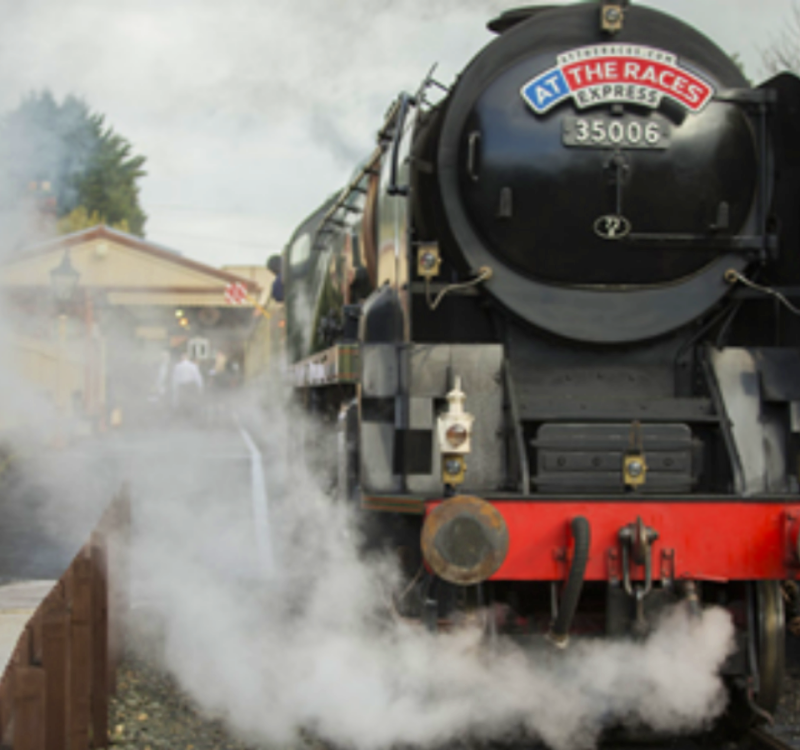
<point x="64" y="280"/>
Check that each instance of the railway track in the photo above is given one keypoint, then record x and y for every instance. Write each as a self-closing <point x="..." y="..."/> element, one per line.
<point x="761" y="739"/>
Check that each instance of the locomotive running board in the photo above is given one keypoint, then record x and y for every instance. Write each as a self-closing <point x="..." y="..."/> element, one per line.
<point x="394" y="504"/>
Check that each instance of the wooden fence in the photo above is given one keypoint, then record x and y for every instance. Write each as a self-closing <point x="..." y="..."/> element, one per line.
<point x="54" y="692"/>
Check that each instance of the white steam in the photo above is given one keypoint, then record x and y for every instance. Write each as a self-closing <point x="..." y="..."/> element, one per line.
<point x="313" y="646"/>
<point x="310" y="642"/>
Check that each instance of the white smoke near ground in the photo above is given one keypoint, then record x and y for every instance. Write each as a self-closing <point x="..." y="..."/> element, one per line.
<point x="311" y="643"/>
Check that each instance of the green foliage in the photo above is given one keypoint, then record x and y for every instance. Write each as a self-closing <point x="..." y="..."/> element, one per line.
<point x="66" y="152"/>
<point x="80" y="218"/>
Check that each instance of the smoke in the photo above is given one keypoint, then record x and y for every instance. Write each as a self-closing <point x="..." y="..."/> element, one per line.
<point x="256" y="109"/>
<point x="309" y="641"/>
<point x="299" y="633"/>
<point x="303" y="638"/>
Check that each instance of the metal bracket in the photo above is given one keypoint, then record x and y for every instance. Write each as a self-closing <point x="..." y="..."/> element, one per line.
<point x="634" y="465"/>
<point x="637" y="540"/>
<point x="454" y="468"/>
<point x="612" y="16"/>
<point x="429" y="259"/>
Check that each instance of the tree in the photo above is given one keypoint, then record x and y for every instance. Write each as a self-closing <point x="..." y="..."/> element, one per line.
<point x="67" y="153"/>
<point x="80" y="218"/>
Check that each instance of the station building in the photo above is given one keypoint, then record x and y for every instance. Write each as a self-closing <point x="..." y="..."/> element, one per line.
<point x="99" y="352"/>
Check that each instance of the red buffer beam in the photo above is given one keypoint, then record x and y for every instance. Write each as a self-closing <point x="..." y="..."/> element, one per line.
<point x="711" y="541"/>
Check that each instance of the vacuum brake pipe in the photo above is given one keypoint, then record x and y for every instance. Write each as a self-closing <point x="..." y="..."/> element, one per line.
<point x="559" y="632"/>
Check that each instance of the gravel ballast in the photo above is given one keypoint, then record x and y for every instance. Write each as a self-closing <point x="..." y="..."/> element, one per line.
<point x="150" y="712"/>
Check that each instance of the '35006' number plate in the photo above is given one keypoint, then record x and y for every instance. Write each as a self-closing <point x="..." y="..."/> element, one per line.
<point x="598" y="131"/>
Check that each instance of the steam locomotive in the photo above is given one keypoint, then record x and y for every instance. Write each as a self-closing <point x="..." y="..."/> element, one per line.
<point x="553" y="319"/>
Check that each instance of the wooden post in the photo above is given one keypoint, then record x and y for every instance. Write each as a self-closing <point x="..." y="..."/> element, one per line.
<point x="6" y="709"/>
<point x="7" y="701"/>
<point x="100" y="660"/>
<point x="79" y="588"/>
<point x="29" y="697"/>
<point x="55" y="629"/>
<point x="29" y="708"/>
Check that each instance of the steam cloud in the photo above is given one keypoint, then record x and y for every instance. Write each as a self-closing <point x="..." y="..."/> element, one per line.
<point x="310" y="644"/>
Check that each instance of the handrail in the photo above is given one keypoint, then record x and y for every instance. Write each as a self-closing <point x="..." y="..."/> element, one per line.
<point x="406" y="101"/>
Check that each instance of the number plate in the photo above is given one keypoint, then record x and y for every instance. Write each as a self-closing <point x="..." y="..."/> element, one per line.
<point x="598" y="131"/>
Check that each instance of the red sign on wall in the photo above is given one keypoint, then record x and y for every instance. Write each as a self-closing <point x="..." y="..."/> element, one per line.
<point x="236" y="294"/>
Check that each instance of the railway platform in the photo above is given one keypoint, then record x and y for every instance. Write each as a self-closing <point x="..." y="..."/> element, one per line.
<point x="18" y="602"/>
<point x="51" y="502"/>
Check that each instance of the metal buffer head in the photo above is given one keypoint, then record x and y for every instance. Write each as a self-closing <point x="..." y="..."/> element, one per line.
<point x="464" y="540"/>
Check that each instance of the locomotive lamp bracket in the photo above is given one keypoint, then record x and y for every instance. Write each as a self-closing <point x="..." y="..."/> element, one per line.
<point x="454" y="469"/>
<point x="429" y="260"/>
<point x="612" y="16"/>
<point x="634" y="465"/>
<point x="634" y="470"/>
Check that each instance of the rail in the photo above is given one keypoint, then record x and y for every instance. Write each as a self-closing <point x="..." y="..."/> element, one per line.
<point x="760" y="739"/>
<point x="55" y="690"/>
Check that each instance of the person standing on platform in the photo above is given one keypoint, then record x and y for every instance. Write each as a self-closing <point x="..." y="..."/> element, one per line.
<point x="187" y="389"/>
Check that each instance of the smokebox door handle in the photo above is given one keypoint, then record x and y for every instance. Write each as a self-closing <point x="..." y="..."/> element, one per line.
<point x="473" y="143"/>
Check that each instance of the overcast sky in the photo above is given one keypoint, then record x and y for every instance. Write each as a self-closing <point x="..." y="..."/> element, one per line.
<point x="250" y="112"/>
